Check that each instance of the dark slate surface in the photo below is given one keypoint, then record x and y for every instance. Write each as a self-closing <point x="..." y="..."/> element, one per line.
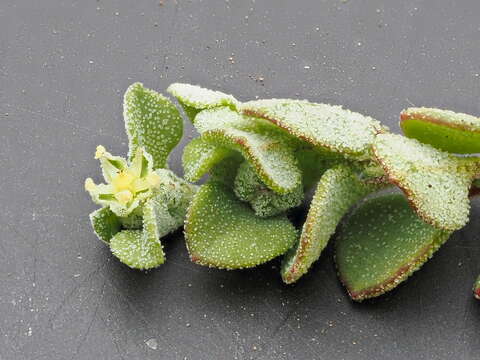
<point x="64" y="66"/>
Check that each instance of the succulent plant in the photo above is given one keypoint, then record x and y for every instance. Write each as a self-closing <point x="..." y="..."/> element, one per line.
<point x="142" y="201"/>
<point x="285" y="143"/>
<point x="261" y="157"/>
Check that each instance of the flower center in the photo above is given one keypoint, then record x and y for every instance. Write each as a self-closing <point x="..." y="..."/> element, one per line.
<point x="124" y="181"/>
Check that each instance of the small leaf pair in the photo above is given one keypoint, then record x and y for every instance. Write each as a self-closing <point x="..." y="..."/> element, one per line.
<point x="141" y="201"/>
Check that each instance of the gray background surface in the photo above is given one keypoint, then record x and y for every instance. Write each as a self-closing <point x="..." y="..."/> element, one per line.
<point x="64" y="66"/>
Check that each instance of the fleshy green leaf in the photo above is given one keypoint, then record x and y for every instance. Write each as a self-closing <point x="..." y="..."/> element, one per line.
<point x="272" y="160"/>
<point x="325" y="126"/>
<point x="136" y="250"/>
<point x="265" y="202"/>
<point x="105" y="224"/>
<point x="223" y="232"/>
<point x="226" y="118"/>
<point x="152" y="122"/>
<point x="313" y="164"/>
<point x="200" y="156"/>
<point x="435" y="183"/>
<point x="443" y="129"/>
<point x="476" y="289"/>
<point x="195" y="98"/>
<point x="381" y="244"/>
<point x="141" y="249"/>
<point x="270" y="153"/>
<point x="338" y="189"/>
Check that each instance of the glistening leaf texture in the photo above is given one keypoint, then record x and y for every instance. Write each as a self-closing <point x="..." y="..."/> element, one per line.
<point x="152" y="122"/>
<point x="381" y="244"/>
<point x="338" y="189"/>
<point x="223" y="232"/>
<point x="444" y="129"/>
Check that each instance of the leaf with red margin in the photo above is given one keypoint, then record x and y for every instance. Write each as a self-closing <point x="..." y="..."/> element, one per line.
<point x="270" y="153"/>
<point x="381" y="244"/>
<point x="436" y="183"/>
<point x="325" y="126"/>
<point x="223" y="232"/>
<point x="443" y="129"/>
<point x="338" y="189"/>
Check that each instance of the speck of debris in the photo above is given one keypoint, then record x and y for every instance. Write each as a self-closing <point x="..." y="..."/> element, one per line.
<point x="152" y="344"/>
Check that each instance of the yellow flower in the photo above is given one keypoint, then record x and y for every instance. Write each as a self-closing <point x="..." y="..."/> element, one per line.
<point x="127" y="184"/>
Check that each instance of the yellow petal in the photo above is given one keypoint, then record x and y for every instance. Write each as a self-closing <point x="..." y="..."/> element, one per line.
<point x="124" y="197"/>
<point x="101" y="151"/>
<point x="140" y="185"/>
<point x="90" y="185"/>
<point x="123" y="181"/>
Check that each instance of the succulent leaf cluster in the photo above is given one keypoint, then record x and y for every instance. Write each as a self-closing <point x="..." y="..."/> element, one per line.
<point x="261" y="157"/>
<point x="286" y="146"/>
<point x="142" y="200"/>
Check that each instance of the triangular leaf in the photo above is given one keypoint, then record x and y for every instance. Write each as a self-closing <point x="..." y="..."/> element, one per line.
<point x="443" y="129"/>
<point x="137" y="251"/>
<point x="152" y="122"/>
<point x="223" y="232"/>
<point x="328" y="127"/>
<point x="141" y="249"/>
<point x="105" y="223"/>
<point x="338" y="189"/>
<point x="381" y="244"/>
<point x="195" y="98"/>
<point x="436" y="183"/>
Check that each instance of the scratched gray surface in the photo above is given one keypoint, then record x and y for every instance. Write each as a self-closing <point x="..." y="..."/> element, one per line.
<point x="64" y="66"/>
